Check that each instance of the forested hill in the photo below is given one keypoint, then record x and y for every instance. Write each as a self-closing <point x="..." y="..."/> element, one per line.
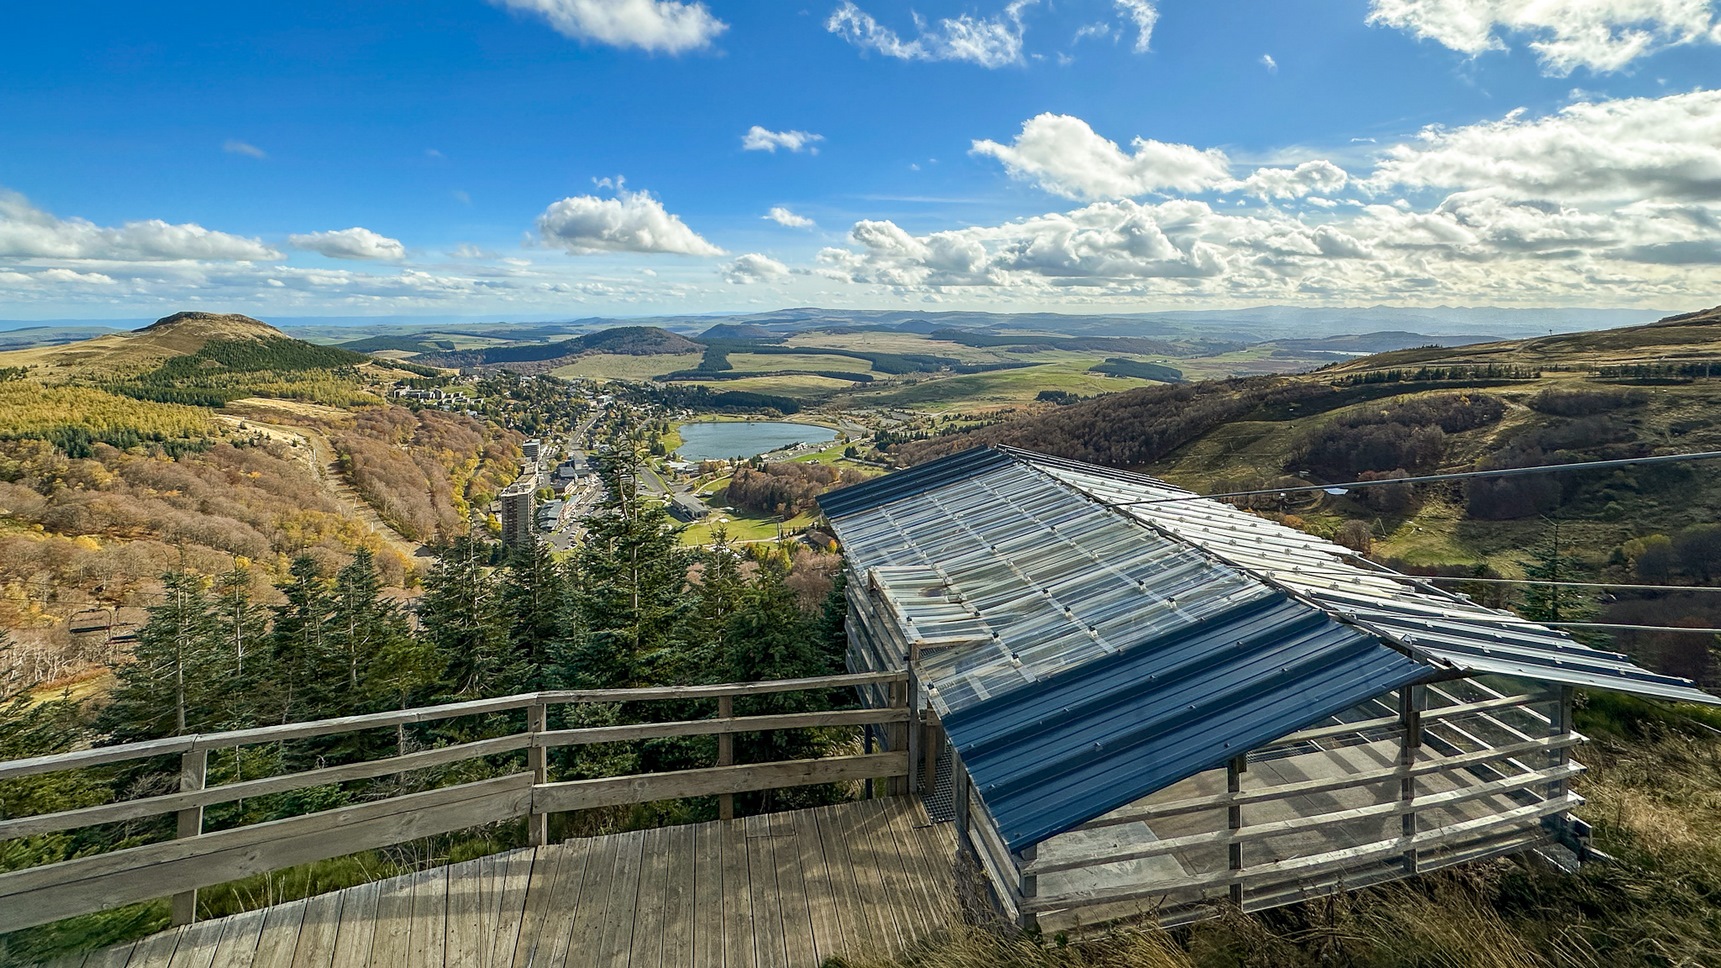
<point x="208" y="440"/>
<point x="622" y="341"/>
<point x="1621" y="393"/>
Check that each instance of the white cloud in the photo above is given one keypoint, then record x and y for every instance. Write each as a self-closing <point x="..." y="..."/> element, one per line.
<point x="27" y="232"/>
<point x="1269" y="63"/>
<point x="666" y="26"/>
<point x="762" y="139"/>
<point x="629" y="222"/>
<point x="353" y="243"/>
<point x="233" y="147"/>
<point x="1601" y="35"/>
<point x="1318" y="177"/>
<point x="788" y="219"/>
<point x="1144" y="15"/>
<point x="1624" y="150"/>
<point x="753" y="267"/>
<point x="1063" y="155"/>
<point x="986" y="41"/>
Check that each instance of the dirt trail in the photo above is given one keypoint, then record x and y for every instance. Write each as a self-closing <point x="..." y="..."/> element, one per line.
<point x="318" y="455"/>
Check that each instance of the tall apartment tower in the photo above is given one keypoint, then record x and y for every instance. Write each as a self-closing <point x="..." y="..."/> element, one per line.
<point x="518" y="526"/>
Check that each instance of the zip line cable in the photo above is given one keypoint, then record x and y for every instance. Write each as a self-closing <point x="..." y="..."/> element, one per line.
<point x="1433" y="478"/>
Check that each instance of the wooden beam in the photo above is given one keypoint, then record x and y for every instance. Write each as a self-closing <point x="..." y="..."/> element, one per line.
<point x="193" y="774"/>
<point x="766" y="687"/>
<point x="174" y="745"/>
<point x="1172" y="808"/>
<point x="537" y="761"/>
<point x="1411" y="699"/>
<point x="1234" y="768"/>
<point x="1315" y="863"/>
<point x="1231" y="838"/>
<point x="39" y="895"/>
<point x="645" y="788"/>
<point x="726" y="723"/>
<point x="245" y="789"/>
<point x="726" y="756"/>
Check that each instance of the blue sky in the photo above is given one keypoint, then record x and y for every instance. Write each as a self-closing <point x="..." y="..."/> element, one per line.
<point x="538" y="158"/>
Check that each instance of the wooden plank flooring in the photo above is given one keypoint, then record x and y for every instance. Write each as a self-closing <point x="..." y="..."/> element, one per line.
<point x="785" y="890"/>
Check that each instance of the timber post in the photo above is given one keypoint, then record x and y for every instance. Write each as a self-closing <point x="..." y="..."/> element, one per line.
<point x="1411" y="700"/>
<point x="193" y="775"/>
<point x="538" y="761"/>
<point x="726" y="756"/>
<point x="1234" y="769"/>
<point x="1030" y="885"/>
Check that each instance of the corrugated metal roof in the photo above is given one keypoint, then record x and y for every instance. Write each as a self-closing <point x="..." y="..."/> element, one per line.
<point x="1116" y="729"/>
<point x="1441" y="627"/>
<point x="915" y="480"/>
<point x="1084" y="651"/>
<point x="1007" y="576"/>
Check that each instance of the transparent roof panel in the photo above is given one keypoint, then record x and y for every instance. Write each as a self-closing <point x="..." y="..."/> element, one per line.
<point x="1009" y="576"/>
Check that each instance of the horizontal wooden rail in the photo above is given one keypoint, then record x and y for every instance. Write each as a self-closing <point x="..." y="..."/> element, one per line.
<point x="589" y="735"/>
<point x="175" y="745"/>
<point x="1445" y="798"/>
<point x="762" y="688"/>
<point x="43" y="894"/>
<point x="613" y="791"/>
<point x="1172" y="808"/>
<point x="227" y="793"/>
<point x="195" y="859"/>
<point x="1315" y="864"/>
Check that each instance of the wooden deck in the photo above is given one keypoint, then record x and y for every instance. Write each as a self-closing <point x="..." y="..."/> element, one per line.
<point x="784" y="890"/>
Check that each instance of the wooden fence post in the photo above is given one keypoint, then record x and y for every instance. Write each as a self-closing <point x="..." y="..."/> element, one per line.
<point x="1030" y="884"/>
<point x="538" y="761"/>
<point x="1234" y="769"/>
<point x="932" y="739"/>
<point x="1411" y="700"/>
<point x="193" y="774"/>
<point x="726" y="756"/>
<point x="1559" y="726"/>
<point x="897" y="737"/>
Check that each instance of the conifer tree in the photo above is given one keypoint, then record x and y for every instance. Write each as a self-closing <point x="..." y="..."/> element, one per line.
<point x="462" y="620"/>
<point x="241" y="640"/>
<point x="533" y="591"/>
<point x="166" y="689"/>
<point x="302" y="665"/>
<point x="628" y="588"/>
<point x="1553" y="602"/>
<point x="362" y="626"/>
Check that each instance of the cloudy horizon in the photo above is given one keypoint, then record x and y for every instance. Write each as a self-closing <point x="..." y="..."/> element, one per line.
<point x="632" y="157"/>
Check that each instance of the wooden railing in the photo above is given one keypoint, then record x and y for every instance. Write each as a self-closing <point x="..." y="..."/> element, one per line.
<point x="195" y="858"/>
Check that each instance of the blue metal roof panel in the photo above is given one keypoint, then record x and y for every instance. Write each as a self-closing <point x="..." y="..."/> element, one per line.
<point x="916" y="480"/>
<point x="1090" y="739"/>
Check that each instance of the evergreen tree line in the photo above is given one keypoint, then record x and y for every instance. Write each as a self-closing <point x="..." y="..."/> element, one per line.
<point x="630" y="607"/>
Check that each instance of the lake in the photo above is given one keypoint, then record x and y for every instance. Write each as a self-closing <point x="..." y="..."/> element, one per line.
<point x="719" y="440"/>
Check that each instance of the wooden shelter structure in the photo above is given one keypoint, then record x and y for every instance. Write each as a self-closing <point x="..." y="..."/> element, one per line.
<point x="1142" y="702"/>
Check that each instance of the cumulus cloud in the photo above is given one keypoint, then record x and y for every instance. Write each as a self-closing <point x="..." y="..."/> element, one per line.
<point x="1318" y="177"/>
<point x="1144" y="15"/>
<point x="788" y="219"/>
<point x="666" y="26"/>
<point x="763" y="139"/>
<point x="629" y="222"/>
<point x="1623" y="150"/>
<point x="27" y="232"/>
<point x="353" y="243"/>
<point x="1065" y="156"/>
<point x="754" y="267"/>
<point x="1618" y="201"/>
<point x="1600" y="35"/>
<point x="987" y="41"/>
<point x="233" y="147"/>
<point x="1269" y="63"/>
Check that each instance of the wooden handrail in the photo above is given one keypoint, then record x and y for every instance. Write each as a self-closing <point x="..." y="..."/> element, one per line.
<point x="173" y="745"/>
<point x="196" y="859"/>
